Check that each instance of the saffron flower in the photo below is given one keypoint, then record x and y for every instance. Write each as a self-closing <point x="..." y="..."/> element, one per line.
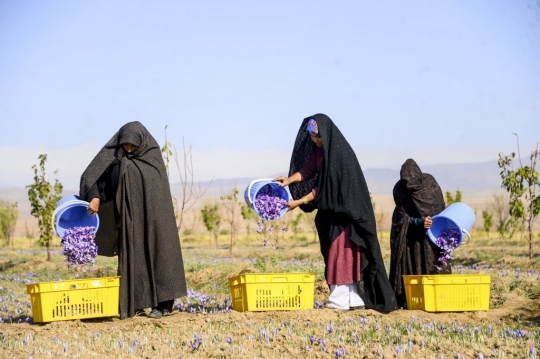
<point x="269" y="203"/>
<point x="448" y="240"/>
<point x="79" y="247"/>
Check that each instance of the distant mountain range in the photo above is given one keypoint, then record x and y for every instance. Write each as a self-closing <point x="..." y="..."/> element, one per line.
<point x="474" y="180"/>
<point x="481" y="178"/>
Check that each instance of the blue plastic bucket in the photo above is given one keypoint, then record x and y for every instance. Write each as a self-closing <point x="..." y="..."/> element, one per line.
<point x="458" y="215"/>
<point x="72" y="212"/>
<point x="256" y="185"/>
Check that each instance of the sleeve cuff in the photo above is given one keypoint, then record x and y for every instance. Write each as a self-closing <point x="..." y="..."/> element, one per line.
<point x="417" y="222"/>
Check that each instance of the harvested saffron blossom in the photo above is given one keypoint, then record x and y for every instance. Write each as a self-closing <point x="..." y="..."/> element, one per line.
<point x="269" y="203"/>
<point x="79" y="247"/>
<point x="448" y="240"/>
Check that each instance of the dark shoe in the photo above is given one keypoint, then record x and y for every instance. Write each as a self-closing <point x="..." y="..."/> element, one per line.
<point x="154" y="313"/>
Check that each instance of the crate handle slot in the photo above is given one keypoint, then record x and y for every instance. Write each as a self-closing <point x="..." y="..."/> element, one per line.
<point x="78" y="286"/>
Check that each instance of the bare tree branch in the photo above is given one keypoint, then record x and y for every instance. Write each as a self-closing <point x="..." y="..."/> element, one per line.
<point x="190" y="191"/>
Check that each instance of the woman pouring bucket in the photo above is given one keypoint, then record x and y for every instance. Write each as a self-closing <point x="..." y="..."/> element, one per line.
<point x="419" y="226"/>
<point x="127" y="184"/>
<point x="324" y="174"/>
<point x="125" y="196"/>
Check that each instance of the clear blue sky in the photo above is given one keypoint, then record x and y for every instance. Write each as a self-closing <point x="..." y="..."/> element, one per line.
<point x="438" y="81"/>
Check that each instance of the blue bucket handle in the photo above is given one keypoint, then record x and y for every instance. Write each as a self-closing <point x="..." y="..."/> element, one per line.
<point x="67" y="204"/>
<point x="468" y="235"/>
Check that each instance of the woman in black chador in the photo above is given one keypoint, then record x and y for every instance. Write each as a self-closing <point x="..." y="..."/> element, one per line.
<point x="127" y="182"/>
<point x="324" y="174"/>
<point x="418" y="197"/>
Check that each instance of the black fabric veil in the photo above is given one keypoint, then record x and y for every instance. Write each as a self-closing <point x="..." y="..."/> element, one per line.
<point x="416" y="195"/>
<point x="343" y="198"/>
<point x="149" y="255"/>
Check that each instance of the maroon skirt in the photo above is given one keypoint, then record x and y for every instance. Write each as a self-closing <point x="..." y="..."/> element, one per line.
<point x="343" y="260"/>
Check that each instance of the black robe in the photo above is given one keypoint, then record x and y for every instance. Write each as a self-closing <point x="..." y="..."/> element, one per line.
<point x="343" y="198"/>
<point x="416" y="195"/>
<point x="139" y="218"/>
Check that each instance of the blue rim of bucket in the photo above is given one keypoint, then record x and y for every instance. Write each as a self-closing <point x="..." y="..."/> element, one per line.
<point x="57" y="222"/>
<point x="432" y="238"/>
<point x="96" y="227"/>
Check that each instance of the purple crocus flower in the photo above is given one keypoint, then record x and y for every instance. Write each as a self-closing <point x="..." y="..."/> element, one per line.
<point x="196" y="342"/>
<point x="448" y="240"/>
<point x="79" y="247"/>
<point x="269" y="203"/>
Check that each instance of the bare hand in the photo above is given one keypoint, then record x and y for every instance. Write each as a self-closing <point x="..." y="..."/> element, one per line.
<point x="93" y="207"/>
<point x="427" y="222"/>
<point x="293" y="204"/>
<point x="284" y="181"/>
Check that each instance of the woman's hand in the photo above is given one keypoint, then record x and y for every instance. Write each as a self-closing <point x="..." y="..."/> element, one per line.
<point x="93" y="207"/>
<point x="427" y="222"/>
<point x="293" y="204"/>
<point x="284" y="181"/>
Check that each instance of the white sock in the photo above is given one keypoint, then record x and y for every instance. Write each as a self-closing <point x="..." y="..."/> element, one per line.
<point x="354" y="298"/>
<point x="339" y="296"/>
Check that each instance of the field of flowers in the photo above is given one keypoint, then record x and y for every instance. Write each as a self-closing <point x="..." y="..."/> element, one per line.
<point x="205" y="326"/>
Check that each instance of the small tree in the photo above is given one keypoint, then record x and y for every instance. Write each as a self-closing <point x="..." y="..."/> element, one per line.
<point x="9" y="212"/>
<point x="488" y="221"/>
<point x="247" y="214"/>
<point x="191" y="192"/>
<point x="281" y="227"/>
<point x="451" y="199"/>
<point x="211" y="219"/>
<point x="379" y="217"/>
<point x="43" y="198"/>
<point x="230" y="203"/>
<point x="499" y="206"/>
<point x="28" y="234"/>
<point x="193" y="225"/>
<point x="295" y="224"/>
<point x="309" y="219"/>
<point x="523" y="185"/>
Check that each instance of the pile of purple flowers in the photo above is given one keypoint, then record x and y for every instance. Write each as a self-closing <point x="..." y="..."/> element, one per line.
<point x="448" y="240"/>
<point x="269" y="203"/>
<point x="79" y="247"/>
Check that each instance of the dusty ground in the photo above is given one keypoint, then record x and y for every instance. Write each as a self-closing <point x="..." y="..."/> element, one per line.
<point x="102" y="337"/>
<point x="510" y="329"/>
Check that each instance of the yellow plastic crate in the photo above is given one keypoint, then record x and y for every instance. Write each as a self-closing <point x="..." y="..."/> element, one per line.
<point x="447" y="292"/>
<point x="74" y="299"/>
<point x="272" y="291"/>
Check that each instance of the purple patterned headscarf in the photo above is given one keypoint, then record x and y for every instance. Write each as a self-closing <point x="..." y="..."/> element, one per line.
<point x="312" y="127"/>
